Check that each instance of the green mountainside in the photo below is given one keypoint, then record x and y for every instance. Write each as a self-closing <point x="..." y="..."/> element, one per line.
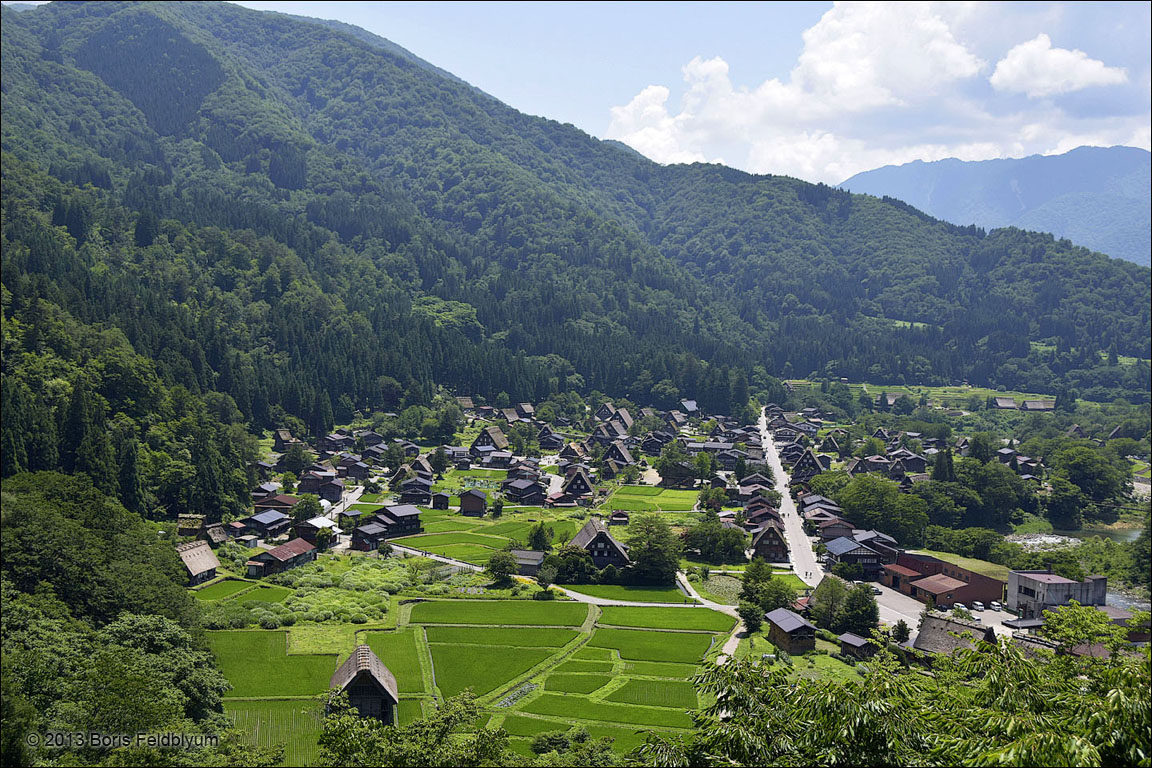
<point x="311" y="221"/>
<point x="1094" y="196"/>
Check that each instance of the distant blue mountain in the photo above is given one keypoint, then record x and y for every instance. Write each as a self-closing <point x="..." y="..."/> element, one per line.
<point x="1097" y="197"/>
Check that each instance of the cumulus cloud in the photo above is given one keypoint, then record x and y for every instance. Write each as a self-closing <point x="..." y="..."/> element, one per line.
<point x="1037" y="69"/>
<point x="875" y="84"/>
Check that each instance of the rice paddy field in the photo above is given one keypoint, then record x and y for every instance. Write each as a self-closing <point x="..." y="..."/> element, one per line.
<point x="620" y="672"/>
<point x="633" y="594"/>
<point x="643" y="498"/>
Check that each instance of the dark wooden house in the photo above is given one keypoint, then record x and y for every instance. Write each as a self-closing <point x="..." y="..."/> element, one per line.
<point x="473" y="503"/>
<point x="789" y="632"/>
<point x="597" y="542"/>
<point x="769" y="543"/>
<point x="371" y="686"/>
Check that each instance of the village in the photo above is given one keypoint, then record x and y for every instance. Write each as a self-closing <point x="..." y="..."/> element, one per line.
<point x="527" y="565"/>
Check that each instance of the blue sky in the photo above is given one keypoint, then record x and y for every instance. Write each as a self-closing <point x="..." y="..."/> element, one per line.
<point x="815" y="90"/>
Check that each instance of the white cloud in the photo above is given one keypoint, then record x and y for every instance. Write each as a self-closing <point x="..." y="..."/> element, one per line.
<point x="1037" y="69"/>
<point x="878" y="84"/>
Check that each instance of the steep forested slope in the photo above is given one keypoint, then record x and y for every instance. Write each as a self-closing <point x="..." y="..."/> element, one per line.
<point x="1094" y="196"/>
<point x="310" y="221"/>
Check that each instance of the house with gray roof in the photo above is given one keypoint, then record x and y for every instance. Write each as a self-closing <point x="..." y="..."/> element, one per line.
<point x="790" y="632"/>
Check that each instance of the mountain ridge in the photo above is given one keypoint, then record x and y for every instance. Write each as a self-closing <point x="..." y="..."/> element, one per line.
<point x="529" y="255"/>
<point x="1096" y="196"/>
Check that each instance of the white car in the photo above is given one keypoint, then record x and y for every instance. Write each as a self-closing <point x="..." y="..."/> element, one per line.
<point x="977" y="605"/>
<point x="995" y="605"/>
<point x="959" y="605"/>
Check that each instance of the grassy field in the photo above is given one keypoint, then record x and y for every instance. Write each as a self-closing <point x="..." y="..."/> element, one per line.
<point x="720" y="588"/>
<point x="523" y="637"/>
<point x="295" y="724"/>
<point x="458" y="667"/>
<point x="951" y="397"/>
<point x="666" y="618"/>
<point x="624" y="739"/>
<point x="578" y="665"/>
<point x="660" y="669"/>
<point x="579" y="707"/>
<point x="642" y="645"/>
<point x="509" y="612"/>
<point x="982" y="567"/>
<point x="636" y="594"/>
<point x="222" y="589"/>
<point x="266" y="594"/>
<point x="518" y="725"/>
<point x="633" y="498"/>
<point x="656" y="693"/>
<point x="399" y="653"/>
<point x="568" y="683"/>
<point x="257" y="664"/>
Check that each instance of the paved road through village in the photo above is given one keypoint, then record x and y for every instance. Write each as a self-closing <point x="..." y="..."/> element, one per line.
<point x="804" y="563"/>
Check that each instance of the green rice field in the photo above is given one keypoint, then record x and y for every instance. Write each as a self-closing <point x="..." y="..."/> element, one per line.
<point x="222" y="589"/>
<point x="257" y="664"/>
<point x="509" y="612"/>
<point x="644" y="645"/>
<point x="666" y="618"/>
<point x="458" y="667"/>
<point x="402" y="657"/>
<point x="634" y="594"/>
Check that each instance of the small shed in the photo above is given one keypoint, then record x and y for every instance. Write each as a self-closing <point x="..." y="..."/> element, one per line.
<point x="440" y="500"/>
<point x="619" y="517"/>
<point x="371" y="686"/>
<point x="855" y="646"/>
<point x="473" y="503"/>
<point x="528" y="561"/>
<point x="790" y="632"/>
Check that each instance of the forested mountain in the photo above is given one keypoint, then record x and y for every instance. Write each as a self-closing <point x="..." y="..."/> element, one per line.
<point x="215" y="218"/>
<point x="1094" y="196"/>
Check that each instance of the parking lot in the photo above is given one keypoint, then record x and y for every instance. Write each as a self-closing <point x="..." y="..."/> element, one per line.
<point x="897" y="605"/>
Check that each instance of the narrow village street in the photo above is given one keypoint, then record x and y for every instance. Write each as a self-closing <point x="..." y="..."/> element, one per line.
<point x="804" y="563"/>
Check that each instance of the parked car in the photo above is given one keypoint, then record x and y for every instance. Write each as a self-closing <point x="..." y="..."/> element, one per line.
<point x="876" y="591"/>
<point x="995" y="605"/>
<point x="959" y="605"/>
<point x="977" y="605"/>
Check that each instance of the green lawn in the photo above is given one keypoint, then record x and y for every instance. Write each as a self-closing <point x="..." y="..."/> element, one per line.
<point x="295" y="724"/>
<point x="653" y="646"/>
<point x="523" y="637"/>
<point x="222" y="589"/>
<point x="656" y="693"/>
<point x="573" y="706"/>
<point x="636" y="594"/>
<point x="458" y="667"/>
<point x="582" y="683"/>
<point x="257" y="665"/>
<point x="399" y="653"/>
<point x="509" y="612"/>
<point x="983" y="567"/>
<point x="666" y="618"/>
